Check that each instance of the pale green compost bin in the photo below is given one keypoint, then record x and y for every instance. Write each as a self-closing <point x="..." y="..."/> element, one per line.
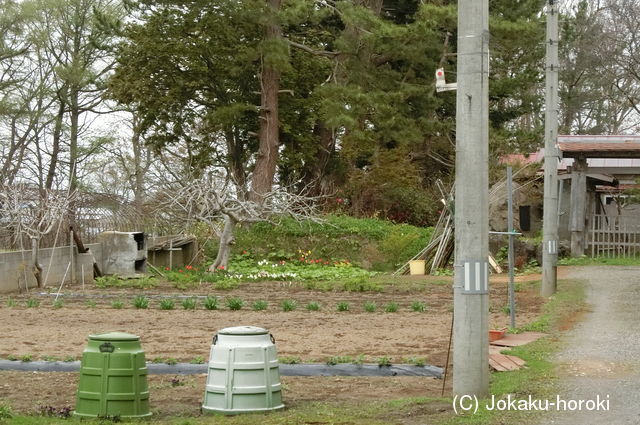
<point x="243" y="372"/>
<point x="113" y="378"/>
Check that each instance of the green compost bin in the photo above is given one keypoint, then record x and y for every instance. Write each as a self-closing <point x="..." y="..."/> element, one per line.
<point x="113" y="378"/>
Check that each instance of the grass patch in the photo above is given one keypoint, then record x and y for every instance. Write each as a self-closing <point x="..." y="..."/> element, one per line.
<point x="599" y="261"/>
<point x="539" y="378"/>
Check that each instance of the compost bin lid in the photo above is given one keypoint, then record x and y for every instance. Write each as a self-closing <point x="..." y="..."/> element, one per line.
<point x="243" y="330"/>
<point x="114" y="336"/>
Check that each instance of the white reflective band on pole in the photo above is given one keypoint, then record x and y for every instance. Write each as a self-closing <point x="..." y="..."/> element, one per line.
<point x="476" y="277"/>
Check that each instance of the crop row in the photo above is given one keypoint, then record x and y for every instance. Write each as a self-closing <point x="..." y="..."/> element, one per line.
<point x="233" y="303"/>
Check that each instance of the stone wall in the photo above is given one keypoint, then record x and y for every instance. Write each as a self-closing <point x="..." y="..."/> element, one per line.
<point x="16" y="268"/>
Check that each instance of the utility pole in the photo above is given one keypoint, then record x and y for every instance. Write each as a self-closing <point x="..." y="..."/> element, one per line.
<point x="551" y="157"/>
<point x="471" y="283"/>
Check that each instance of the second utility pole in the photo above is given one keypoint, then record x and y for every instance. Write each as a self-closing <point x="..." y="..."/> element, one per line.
<point x="550" y="209"/>
<point x="471" y="283"/>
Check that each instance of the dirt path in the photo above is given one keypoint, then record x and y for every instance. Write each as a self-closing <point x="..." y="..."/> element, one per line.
<point x="602" y="353"/>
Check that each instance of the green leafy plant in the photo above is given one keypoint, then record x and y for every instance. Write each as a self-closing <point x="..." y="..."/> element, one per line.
<point x="117" y="304"/>
<point x="167" y="304"/>
<point x="197" y="360"/>
<point x="418" y="306"/>
<point x="5" y="411"/>
<point x="58" y="304"/>
<point x="189" y="304"/>
<point x="32" y="303"/>
<point x="290" y="360"/>
<point x="260" y="305"/>
<point x="211" y="303"/>
<point x="171" y="361"/>
<point x="370" y="306"/>
<point x="358" y="360"/>
<point x="235" y="303"/>
<point x="313" y="306"/>
<point x="11" y="302"/>
<point x="289" y="305"/>
<point x="416" y="361"/>
<point x="157" y="360"/>
<point x="142" y="282"/>
<point x="506" y="309"/>
<point x="384" y="361"/>
<point x="342" y="306"/>
<point x="25" y="358"/>
<point x="391" y="307"/>
<point x="12" y="357"/>
<point x="225" y="285"/>
<point x="91" y="304"/>
<point x="332" y="361"/>
<point x="107" y="281"/>
<point x="50" y="358"/>
<point x="141" y="302"/>
<point x="68" y="359"/>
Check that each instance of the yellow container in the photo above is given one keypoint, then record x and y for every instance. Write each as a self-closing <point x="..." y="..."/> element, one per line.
<point x="417" y="267"/>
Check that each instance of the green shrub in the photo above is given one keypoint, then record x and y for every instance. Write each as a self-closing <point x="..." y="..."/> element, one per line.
<point x="171" y="361"/>
<point x="12" y="357"/>
<point x="141" y="302"/>
<point x="313" y="306"/>
<point x="50" y="358"/>
<point x="157" y="360"/>
<point x="167" y="304"/>
<point x="370" y="306"/>
<point x="69" y="359"/>
<point x="91" y="304"/>
<point x="117" y="304"/>
<point x="211" y="303"/>
<point x="11" y="302"/>
<point x="361" y="284"/>
<point x="32" y="303"/>
<point x="391" y="307"/>
<point x="235" y="303"/>
<point x="26" y="358"/>
<point x="260" y="305"/>
<point x="58" y="304"/>
<point x="189" y="304"/>
<point x="418" y="306"/>
<point x="288" y="305"/>
<point x="342" y="306"/>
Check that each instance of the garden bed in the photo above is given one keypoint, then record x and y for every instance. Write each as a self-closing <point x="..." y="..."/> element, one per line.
<point x="48" y="333"/>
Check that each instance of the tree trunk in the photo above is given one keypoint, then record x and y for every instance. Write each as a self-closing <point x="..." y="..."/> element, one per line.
<point x="55" y="149"/>
<point x="227" y="239"/>
<point x="326" y="145"/>
<point x="235" y="156"/>
<point x="267" y="158"/>
<point x="139" y="168"/>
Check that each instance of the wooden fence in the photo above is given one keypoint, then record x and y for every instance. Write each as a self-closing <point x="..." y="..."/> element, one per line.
<point x="615" y="236"/>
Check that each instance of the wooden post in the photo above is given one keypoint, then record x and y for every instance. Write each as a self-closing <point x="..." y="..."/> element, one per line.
<point x="72" y="259"/>
<point x="578" y="205"/>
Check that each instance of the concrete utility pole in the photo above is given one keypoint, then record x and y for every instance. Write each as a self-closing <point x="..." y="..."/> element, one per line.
<point x="551" y="157"/>
<point x="471" y="283"/>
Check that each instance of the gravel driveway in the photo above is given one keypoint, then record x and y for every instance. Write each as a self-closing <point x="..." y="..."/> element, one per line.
<point x="602" y="353"/>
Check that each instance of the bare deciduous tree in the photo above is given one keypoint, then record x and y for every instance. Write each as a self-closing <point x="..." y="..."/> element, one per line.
<point x="29" y="212"/>
<point x="213" y="199"/>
